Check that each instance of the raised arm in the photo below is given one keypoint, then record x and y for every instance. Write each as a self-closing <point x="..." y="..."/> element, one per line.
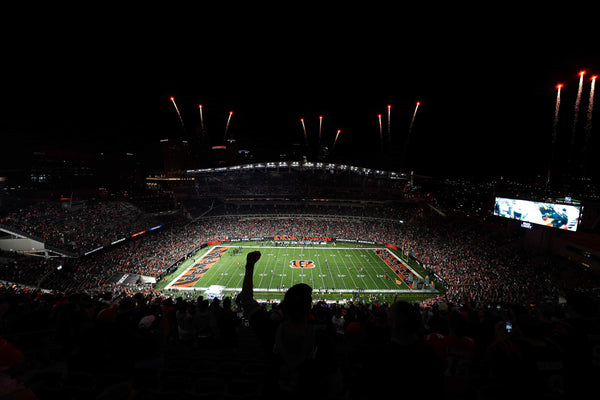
<point x="245" y="299"/>
<point x="251" y="259"/>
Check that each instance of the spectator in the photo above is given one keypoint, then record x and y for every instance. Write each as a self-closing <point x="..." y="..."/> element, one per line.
<point x="185" y="325"/>
<point x="578" y="334"/>
<point x="11" y="360"/>
<point x="524" y="360"/>
<point x="339" y="323"/>
<point x="302" y="355"/>
<point x="227" y="323"/>
<point x="414" y="366"/>
<point x="458" y="353"/>
<point x="205" y="324"/>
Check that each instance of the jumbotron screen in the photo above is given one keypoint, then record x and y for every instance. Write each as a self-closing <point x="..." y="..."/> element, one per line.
<point x="561" y="216"/>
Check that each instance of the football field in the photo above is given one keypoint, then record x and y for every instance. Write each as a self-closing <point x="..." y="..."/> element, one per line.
<point x="327" y="269"/>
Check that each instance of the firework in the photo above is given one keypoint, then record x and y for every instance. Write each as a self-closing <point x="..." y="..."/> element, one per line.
<point x="588" y="127"/>
<point x="554" y="131"/>
<point x="380" y="132"/>
<point x="320" y="126"/>
<point x="412" y="121"/>
<point x="389" y="123"/>
<point x="577" y="101"/>
<point x="575" y="118"/>
<point x="304" y="131"/>
<point x="227" y="126"/>
<point x="556" y="108"/>
<point x="410" y="128"/>
<point x="201" y="117"/>
<point x="336" y="138"/>
<point x="178" y="113"/>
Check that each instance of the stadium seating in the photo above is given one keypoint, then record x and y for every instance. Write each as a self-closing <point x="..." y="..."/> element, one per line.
<point x="78" y="332"/>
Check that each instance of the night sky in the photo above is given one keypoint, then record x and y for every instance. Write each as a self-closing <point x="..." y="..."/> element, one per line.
<point x="101" y="81"/>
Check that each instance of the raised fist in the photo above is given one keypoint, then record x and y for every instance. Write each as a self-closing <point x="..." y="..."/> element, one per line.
<point x="252" y="257"/>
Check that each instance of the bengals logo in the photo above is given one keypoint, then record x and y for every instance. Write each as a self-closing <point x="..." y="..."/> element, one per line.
<point x="302" y="264"/>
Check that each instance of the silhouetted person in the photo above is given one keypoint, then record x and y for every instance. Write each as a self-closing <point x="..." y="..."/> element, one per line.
<point x="410" y="368"/>
<point x="301" y="352"/>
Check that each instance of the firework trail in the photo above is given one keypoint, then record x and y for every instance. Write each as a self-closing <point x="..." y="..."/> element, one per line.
<point x="304" y="130"/>
<point x="588" y="127"/>
<point x="227" y="126"/>
<point x="320" y="126"/>
<point x="336" y="138"/>
<point x="412" y="121"/>
<point x="380" y="131"/>
<point x="554" y="132"/>
<point x="577" y="101"/>
<point x="389" y="123"/>
<point x="178" y="113"/>
<point x="556" y="108"/>
<point x="201" y="117"/>
<point x="410" y="128"/>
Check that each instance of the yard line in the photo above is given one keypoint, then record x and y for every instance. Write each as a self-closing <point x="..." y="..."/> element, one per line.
<point x="371" y="267"/>
<point x="379" y="268"/>
<point x="335" y="281"/>
<point x="343" y="271"/>
<point x="355" y="267"/>
<point x="355" y="286"/>
<point x="259" y="271"/>
<point x="341" y="261"/>
<point x="231" y="269"/>
<point x="271" y="271"/>
<point x="278" y="267"/>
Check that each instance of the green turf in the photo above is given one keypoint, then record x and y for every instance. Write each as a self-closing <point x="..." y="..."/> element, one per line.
<point x="341" y="269"/>
<point x="336" y="269"/>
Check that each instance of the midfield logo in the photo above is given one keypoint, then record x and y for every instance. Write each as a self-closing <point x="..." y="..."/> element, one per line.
<point x="302" y="264"/>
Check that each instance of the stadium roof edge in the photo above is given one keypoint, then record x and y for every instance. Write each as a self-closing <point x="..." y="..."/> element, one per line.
<point x="303" y="165"/>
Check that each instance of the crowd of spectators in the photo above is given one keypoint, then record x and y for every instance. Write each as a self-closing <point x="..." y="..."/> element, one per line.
<point x="505" y="324"/>
<point x="80" y="228"/>
<point x="475" y="261"/>
<point x="151" y="345"/>
<point x="477" y="264"/>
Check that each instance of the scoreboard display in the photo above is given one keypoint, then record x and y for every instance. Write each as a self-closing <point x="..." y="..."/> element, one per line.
<point x="556" y="215"/>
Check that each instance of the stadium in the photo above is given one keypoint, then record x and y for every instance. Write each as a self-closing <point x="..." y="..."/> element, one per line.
<point x="362" y="239"/>
<point x="298" y="203"/>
